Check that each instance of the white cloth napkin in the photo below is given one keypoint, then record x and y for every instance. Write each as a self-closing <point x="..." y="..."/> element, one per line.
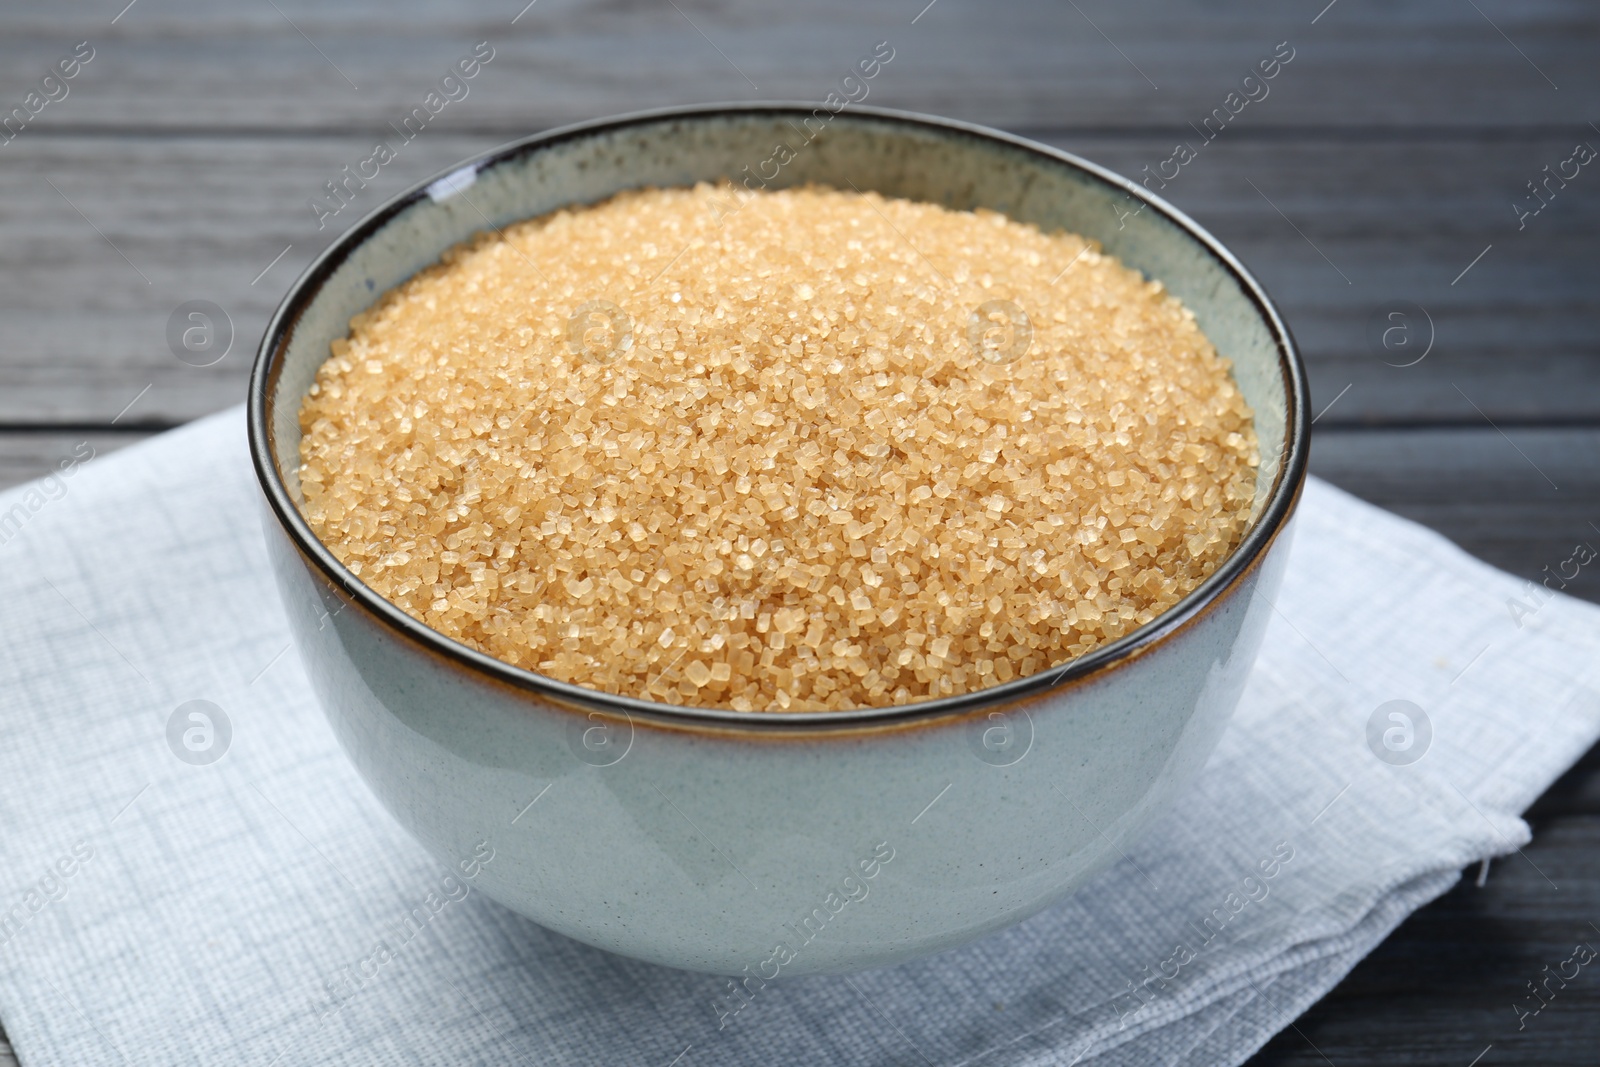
<point x="155" y="911"/>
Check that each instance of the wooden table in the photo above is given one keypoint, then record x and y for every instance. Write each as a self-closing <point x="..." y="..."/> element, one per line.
<point x="1384" y="165"/>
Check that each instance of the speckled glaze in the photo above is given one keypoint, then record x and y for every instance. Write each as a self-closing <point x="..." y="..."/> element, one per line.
<point x="762" y="845"/>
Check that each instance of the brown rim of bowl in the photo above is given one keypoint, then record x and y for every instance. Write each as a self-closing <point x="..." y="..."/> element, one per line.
<point x="1280" y="502"/>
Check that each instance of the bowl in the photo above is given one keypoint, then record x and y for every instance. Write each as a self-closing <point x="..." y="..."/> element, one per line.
<point x="765" y="844"/>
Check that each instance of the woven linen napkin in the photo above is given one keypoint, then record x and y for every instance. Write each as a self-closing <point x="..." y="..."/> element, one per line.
<point x="157" y="909"/>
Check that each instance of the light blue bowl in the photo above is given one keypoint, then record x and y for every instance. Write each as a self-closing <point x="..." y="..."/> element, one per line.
<point x="751" y="844"/>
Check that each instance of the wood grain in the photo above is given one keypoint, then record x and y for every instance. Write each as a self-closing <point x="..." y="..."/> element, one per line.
<point x="1519" y="500"/>
<point x="182" y="64"/>
<point x="107" y="236"/>
<point x="199" y="217"/>
<point x="1386" y="157"/>
<point x="1441" y="989"/>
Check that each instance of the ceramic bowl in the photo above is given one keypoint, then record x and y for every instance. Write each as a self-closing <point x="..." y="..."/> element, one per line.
<point x="753" y="844"/>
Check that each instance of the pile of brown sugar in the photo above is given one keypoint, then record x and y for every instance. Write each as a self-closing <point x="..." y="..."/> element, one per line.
<point x="827" y="450"/>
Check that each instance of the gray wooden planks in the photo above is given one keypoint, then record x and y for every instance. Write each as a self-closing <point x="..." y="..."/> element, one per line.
<point x="107" y="236"/>
<point x="1520" y="500"/>
<point x="170" y="218"/>
<point x="1435" y="995"/>
<point x="179" y="64"/>
<point x="1393" y="146"/>
<point x="1442" y="988"/>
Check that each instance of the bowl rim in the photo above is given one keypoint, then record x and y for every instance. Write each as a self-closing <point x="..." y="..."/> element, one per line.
<point x="1099" y="661"/>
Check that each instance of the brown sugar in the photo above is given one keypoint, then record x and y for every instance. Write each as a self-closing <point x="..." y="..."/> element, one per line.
<point x="824" y="450"/>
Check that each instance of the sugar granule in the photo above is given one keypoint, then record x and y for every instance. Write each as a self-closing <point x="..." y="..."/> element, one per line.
<point x="829" y="450"/>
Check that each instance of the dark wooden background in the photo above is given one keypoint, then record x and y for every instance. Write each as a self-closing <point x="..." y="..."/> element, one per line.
<point x="1385" y="160"/>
